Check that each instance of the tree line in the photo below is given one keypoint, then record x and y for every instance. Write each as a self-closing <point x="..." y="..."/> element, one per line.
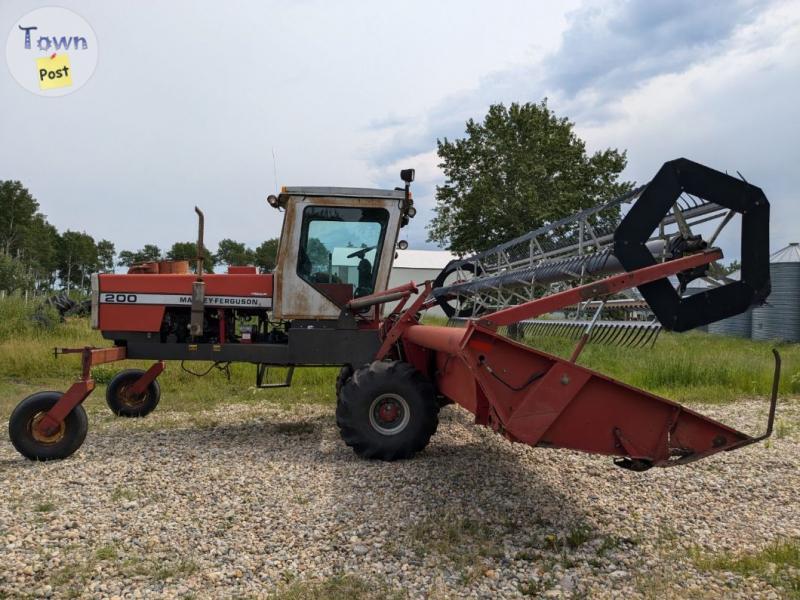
<point x="36" y="258"/>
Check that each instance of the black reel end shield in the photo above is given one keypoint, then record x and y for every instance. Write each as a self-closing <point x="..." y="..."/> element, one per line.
<point x="678" y="313"/>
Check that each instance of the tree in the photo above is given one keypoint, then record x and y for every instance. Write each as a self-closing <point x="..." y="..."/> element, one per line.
<point x="41" y="252"/>
<point x="17" y="211"/>
<point x="12" y="274"/>
<point x="150" y="253"/>
<point x="731" y="267"/>
<point x="317" y="252"/>
<point x="188" y="251"/>
<point x="522" y="168"/>
<point x="266" y="255"/>
<point x="234" y="253"/>
<point x="105" y="256"/>
<point x="77" y="258"/>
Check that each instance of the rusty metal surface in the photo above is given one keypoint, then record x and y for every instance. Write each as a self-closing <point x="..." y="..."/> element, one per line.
<point x="395" y="293"/>
<point x="140" y="385"/>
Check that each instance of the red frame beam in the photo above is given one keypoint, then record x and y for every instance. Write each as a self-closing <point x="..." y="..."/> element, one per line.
<point x="80" y="390"/>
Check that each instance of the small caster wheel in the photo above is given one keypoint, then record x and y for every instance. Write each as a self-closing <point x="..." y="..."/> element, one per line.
<point x="33" y="444"/>
<point x="123" y="403"/>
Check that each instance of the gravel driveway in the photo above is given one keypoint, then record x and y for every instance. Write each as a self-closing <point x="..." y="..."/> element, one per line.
<point x="267" y="498"/>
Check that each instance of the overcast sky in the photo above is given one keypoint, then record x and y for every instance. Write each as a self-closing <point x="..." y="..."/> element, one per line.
<point x="190" y="100"/>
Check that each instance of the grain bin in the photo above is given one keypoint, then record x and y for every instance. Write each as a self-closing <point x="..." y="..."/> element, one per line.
<point x="698" y="286"/>
<point x="740" y="325"/>
<point x="779" y="318"/>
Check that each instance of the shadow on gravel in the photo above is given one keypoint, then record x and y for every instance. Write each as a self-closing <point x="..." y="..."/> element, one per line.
<point x="465" y="468"/>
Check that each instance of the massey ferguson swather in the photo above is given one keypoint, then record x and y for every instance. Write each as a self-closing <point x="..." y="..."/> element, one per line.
<point x="327" y="304"/>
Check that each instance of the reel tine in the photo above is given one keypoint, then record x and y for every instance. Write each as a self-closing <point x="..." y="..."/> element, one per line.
<point x="627" y="333"/>
<point x="646" y="335"/>
<point x="636" y="338"/>
<point x="603" y="335"/>
<point x="654" y="336"/>
<point x="616" y="331"/>
<point x="633" y="335"/>
<point x="613" y="334"/>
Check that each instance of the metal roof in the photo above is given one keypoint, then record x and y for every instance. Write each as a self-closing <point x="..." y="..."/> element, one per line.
<point x="343" y="192"/>
<point x="789" y="254"/>
<point x="422" y="259"/>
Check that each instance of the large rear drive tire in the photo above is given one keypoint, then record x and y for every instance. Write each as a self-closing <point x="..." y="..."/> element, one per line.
<point x="387" y="410"/>
<point x="35" y="446"/>
<point x="124" y="404"/>
<point x="344" y="376"/>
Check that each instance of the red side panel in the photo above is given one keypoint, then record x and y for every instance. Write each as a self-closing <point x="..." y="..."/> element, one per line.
<point x="135" y="305"/>
<point x="544" y="400"/>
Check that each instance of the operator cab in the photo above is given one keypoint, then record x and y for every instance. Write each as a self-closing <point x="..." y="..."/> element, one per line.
<point x="336" y="244"/>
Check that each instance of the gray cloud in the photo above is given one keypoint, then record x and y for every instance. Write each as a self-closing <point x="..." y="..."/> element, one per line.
<point x="614" y="47"/>
<point x="606" y="51"/>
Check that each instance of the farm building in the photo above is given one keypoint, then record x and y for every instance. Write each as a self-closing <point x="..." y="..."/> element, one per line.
<point x="419" y="266"/>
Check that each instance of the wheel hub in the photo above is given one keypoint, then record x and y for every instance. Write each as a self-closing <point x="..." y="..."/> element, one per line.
<point x="389" y="414"/>
<point x="129" y="399"/>
<point x="42" y="438"/>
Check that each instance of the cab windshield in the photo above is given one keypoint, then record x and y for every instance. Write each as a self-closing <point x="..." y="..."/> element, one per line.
<point x="340" y="250"/>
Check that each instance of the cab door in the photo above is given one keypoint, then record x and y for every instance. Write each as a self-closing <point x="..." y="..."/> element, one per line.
<point x="333" y="250"/>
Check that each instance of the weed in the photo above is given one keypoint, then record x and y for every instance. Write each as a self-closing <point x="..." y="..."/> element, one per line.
<point x="295" y="428"/>
<point x="119" y="494"/>
<point x="533" y="587"/>
<point x="783" y="428"/>
<point x="609" y="543"/>
<point x="464" y="541"/>
<point x="527" y="555"/>
<point x="44" y="507"/>
<point x="106" y="553"/>
<point x="778" y="564"/>
<point x="338" y="587"/>
<point x="175" y="570"/>
<point x="578" y="535"/>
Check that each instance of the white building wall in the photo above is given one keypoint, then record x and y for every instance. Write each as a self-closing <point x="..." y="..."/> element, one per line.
<point x="419" y="266"/>
<point x="400" y="276"/>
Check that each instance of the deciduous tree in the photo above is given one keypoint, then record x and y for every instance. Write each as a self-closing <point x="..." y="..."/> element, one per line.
<point x="521" y="168"/>
<point x="266" y="255"/>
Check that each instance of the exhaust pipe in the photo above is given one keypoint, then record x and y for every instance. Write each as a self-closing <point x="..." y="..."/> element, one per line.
<point x="199" y="286"/>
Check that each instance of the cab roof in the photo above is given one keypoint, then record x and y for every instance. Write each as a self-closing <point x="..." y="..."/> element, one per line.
<point x="341" y="192"/>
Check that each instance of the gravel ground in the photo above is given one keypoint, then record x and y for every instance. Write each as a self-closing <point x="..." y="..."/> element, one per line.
<point x="267" y="496"/>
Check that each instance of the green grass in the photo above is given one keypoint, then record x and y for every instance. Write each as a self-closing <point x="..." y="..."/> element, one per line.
<point x="777" y="564"/>
<point x="692" y="367"/>
<point x="688" y="367"/>
<point x="466" y="543"/>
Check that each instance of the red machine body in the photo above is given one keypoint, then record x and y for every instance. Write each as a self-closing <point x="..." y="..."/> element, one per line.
<point x="138" y="302"/>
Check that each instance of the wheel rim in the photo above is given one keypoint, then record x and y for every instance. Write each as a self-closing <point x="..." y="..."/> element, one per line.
<point x="389" y="414"/>
<point x="39" y="436"/>
<point x="129" y="399"/>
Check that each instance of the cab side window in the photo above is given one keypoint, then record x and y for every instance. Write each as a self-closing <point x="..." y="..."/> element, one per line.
<point x="340" y="250"/>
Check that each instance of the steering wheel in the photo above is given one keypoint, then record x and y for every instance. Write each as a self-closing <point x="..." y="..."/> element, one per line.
<point x="361" y="253"/>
